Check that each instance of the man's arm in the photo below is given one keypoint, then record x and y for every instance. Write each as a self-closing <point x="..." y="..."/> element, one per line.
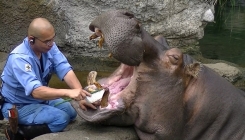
<point x="71" y="80"/>
<point x="47" y="93"/>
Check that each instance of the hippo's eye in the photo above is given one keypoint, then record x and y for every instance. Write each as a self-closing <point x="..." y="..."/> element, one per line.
<point x="173" y="59"/>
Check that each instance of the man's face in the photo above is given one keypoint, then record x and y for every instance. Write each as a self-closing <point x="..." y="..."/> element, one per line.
<point x="45" y="42"/>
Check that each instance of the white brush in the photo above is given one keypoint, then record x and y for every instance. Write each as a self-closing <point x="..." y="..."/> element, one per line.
<point x="95" y="96"/>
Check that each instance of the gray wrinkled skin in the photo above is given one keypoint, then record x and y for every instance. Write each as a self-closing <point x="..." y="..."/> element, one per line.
<point x="121" y="31"/>
<point x="170" y="96"/>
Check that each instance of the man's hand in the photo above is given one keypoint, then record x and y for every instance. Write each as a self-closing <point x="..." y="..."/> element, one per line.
<point x="78" y="94"/>
<point x="84" y="104"/>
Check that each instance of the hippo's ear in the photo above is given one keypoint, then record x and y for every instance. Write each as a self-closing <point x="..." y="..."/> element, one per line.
<point x="162" y="40"/>
<point x="193" y="69"/>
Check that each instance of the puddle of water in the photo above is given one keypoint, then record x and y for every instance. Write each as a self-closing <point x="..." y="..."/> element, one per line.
<point x="225" y="39"/>
<point x="55" y="82"/>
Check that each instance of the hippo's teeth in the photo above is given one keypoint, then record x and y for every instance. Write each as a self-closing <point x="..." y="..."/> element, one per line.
<point x="95" y="96"/>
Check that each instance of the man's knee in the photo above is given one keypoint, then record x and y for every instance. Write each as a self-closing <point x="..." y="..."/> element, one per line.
<point x="55" y="118"/>
<point x="60" y="123"/>
<point x="72" y="112"/>
<point x="67" y="107"/>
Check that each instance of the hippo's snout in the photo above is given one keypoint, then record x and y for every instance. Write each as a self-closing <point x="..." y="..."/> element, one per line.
<point x="120" y="30"/>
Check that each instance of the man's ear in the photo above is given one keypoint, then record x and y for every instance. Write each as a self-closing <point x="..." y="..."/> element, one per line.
<point x="32" y="39"/>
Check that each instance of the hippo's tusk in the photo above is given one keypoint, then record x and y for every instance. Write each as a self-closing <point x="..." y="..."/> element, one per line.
<point x="98" y="86"/>
<point x="98" y="33"/>
<point x="101" y="41"/>
<point x="110" y="55"/>
<point x="104" y="100"/>
<point x="93" y="36"/>
<point x="97" y="91"/>
<point x="91" y="78"/>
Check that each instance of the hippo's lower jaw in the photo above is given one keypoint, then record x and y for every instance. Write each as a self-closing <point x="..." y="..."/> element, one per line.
<point x="117" y="84"/>
<point x="99" y="115"/>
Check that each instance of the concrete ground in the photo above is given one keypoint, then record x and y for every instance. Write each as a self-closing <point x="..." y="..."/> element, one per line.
<point x="82" y="130"/>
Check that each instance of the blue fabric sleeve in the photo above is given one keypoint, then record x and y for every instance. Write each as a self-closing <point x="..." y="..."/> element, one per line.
<point x="27" y="78"/>
<point x="61" y="65"/>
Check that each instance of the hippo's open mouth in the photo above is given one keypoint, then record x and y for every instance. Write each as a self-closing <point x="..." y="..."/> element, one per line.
<point x="118" y="84"/>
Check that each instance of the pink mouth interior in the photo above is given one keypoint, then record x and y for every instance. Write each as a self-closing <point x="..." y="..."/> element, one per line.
<point x="117" y="83"/>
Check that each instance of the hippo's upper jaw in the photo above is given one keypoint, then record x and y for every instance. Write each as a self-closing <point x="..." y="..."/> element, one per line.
<point x="120" y="31"/>
<point x="123" y="35"/>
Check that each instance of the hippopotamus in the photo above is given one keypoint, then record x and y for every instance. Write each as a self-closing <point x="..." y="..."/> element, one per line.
<point x="166" y="94"/>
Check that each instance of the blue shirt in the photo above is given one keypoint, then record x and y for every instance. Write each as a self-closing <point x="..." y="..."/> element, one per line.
<point x="22" y="72"/>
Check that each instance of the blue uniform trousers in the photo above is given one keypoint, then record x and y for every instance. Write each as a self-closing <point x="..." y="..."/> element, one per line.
<point x="56" y="117"/>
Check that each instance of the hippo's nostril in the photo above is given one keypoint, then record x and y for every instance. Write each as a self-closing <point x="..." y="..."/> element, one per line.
<point x="130" y="15"/>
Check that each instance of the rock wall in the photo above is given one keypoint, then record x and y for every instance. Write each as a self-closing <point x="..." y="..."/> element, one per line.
<point x="181" y="21"/>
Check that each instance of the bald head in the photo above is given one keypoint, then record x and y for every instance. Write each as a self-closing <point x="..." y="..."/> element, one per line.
<point x="40" y="27"/>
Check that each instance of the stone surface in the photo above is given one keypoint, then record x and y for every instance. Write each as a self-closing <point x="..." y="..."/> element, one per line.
<point x="231" y="73"/>
<point x="3" y="57"/>
<point x="181" y="22"/>
<point x="82" y="130"/>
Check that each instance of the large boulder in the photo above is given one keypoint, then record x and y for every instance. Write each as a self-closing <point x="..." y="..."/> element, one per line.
<point x="181" y="22"/>
<point x="230" y="73"/>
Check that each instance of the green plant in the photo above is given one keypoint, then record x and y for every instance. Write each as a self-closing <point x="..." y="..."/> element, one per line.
<point x="221" y="14"/>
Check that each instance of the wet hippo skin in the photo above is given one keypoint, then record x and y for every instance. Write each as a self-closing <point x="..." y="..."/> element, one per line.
<point x="170" y="96"/>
